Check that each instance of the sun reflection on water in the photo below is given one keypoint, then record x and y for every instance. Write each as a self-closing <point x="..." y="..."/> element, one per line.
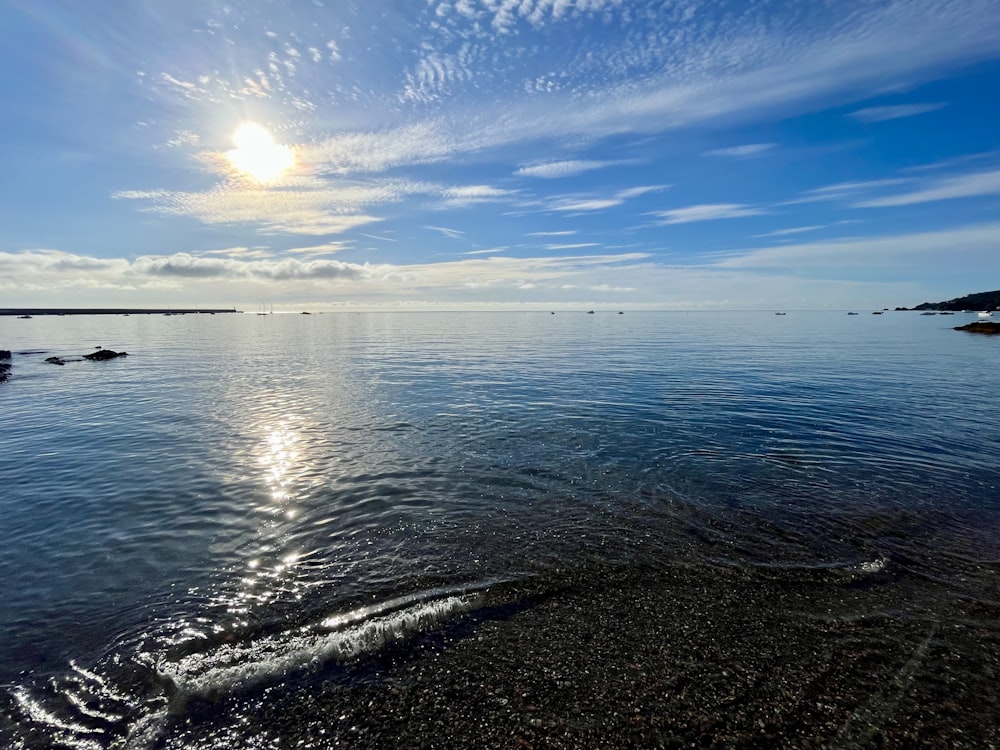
<point x="271" y="572"/>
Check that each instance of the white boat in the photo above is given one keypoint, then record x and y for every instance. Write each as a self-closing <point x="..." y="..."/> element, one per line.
<point x="986" y="314"/>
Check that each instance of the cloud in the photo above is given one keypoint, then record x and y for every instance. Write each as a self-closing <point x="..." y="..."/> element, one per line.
<point x="750" y="149"/>
<point x="183" y="265"/>
<point x="468" y="195"/>
<point x="585" y="204"/>
<point x="914" y="253"/>
<point x="327" y="248"/>
<point x="635" y="192"/>
<point x="609" y="288"/>
<point x="571" y="246"/>
<point x="791" y="230"/>
<point x="842" y="190"/>
<point x="707" y="212"/>
<point x="56" y="262"/>
<point x="239" y="252"/>
<point x="376" y="151"/>
<point x="561" y="233"/>
<point x="453" y="233"/>
<point x="331" y="209"/>
<point x="557" y="169"/>
<point x="893" y="112"/>
<point x="964" y="186"/>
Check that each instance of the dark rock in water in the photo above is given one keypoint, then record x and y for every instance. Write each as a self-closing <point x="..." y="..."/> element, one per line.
<point x="105" y="354"/>
<point x="980" y="327"/>
<point x="4" y="353"/>
<point x="4" y="372"/>
<point x="55" y="360"/>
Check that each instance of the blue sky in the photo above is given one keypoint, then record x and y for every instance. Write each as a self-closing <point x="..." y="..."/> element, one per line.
<point x="499" y="154"/>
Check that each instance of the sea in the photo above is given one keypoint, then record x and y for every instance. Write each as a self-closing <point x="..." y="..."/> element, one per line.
<point x="246" y="500"/>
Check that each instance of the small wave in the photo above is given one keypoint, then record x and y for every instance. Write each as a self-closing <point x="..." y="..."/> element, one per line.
<point x="84" y="710"/>
<point x="340" y="636"/>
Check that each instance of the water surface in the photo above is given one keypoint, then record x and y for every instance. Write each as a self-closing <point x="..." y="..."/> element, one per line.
<point x="244" y="496"/>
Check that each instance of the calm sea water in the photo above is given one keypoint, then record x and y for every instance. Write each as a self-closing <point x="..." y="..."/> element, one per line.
<point x="245" y="496"/>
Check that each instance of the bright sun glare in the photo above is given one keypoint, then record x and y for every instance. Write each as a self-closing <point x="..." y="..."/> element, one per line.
<point x="257" y="155"/>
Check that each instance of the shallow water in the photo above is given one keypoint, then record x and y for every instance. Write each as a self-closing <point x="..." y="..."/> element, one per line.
<point x="245" y="497"/>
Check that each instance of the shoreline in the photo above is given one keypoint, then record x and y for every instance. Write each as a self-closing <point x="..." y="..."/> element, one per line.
<point x="686" y="657"/>
<point x="18" y="311"/>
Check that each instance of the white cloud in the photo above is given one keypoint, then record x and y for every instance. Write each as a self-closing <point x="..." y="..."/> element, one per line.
<point x="580" y="204"/>
<point x="453" y="233"/>
<point x="750" y="149"/>
<point x="585" y="204"/>
<point x="468" y="195"/>
<point x="790" y="230"/>
<point x="326" y="210"/>
<point x="558" y="169"/>
<point x="707" y="212"/>
<point x="843" y="190"/>
<point x="635" y="192"/>
<point x="964" y="186"/>
<point x="571" y="246"/>
<point x="327" y="248"/>
<point x="378" y="237"/>
<point x="915" y="253"/>
<point x="893" y="112"/>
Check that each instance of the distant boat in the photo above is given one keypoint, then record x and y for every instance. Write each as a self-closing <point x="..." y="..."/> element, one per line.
<point x="986" y="314"/>
<point x="877" y="312"/>
<point x="928" y="313"/>
<point x="853" y="313"/>
<point x="590" y="312"/>
<point x="781" y="313"/>
<point x="24" y="317"/>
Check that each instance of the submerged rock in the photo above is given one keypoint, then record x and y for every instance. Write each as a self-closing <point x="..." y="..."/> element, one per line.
<point x="980" y="327"/>
<point x="105" y="354"/>
<point x="55" y="360"/>
<point x="4" y="366"/>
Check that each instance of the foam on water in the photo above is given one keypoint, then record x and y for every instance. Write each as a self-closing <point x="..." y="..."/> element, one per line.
<point x="341" y="637"/>
<point x="83" y="710"/>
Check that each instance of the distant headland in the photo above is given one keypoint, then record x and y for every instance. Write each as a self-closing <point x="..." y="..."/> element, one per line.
<point x="978" y="301"/>
<point x="31" y="311"/>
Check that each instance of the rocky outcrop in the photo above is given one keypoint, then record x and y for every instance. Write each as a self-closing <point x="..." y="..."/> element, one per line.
<point x="978" y="301"/>
<point x="980" y="327"/>
<point x="104" y="354"/>
<point x="4" y="365"/>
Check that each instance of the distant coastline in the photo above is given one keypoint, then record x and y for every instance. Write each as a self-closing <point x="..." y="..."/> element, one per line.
<point x="977" y="301"/>
<point x="111" y="311"/>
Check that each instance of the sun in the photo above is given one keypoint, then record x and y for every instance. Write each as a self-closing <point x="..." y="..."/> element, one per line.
<point x="257" y="155"/>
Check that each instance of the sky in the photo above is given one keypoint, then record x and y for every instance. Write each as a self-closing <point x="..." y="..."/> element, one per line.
<point x="499" y="154"/>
